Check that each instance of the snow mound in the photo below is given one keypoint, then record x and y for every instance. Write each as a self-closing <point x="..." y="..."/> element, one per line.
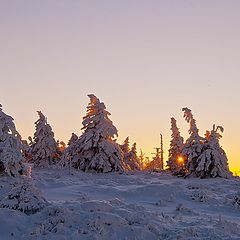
<point x="23" y="197"/>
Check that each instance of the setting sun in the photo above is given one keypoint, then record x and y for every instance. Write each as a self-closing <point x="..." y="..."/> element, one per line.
<point x="180" y="160"/>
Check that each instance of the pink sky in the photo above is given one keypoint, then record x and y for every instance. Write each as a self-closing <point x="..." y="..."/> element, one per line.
<point x="145" y="59"/>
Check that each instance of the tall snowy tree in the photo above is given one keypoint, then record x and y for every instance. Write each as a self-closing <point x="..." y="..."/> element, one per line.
<point x="97" y="150"/>
<point x="213" y="161"/>
<point x="11" y="156"/>
<point x="44" y="146"/>
<point x="157" y="161"/>
<point x="69" y="151"/>
<point x="125" y="146"/>
<point x="175" y="160"/>
<point x="194" y="145"/>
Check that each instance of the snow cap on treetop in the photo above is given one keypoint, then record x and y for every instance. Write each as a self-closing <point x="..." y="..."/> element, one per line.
<point x="187" y="114"/>
<point x="95" y="100"/>
<point x="41" y="115"/>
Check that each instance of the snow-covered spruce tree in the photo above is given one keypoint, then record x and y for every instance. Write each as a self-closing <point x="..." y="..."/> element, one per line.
<point x="142" y="159"/>
<point x="205" y="157"/>
<point x="130" y="159"/>
<point x="44" y="146"/>
<point x="213" y="161"/>
<point x="133" y="160"/>
<point x="69" y="151"/>
<point x="175" y="150"/>
<point x="125" y="146"/>
<point x="26" y="151"/>
<point x="126" y="149"/>
<point x="61" y="146"/>
<point x="96" y="148"/>
<point x="11" y="157"/>
<point x="157" y="161"/>
<point x="193" y="146"/>
<point x="60" y="150"/>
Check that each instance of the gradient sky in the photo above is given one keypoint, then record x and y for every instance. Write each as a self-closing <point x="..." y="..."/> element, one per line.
<point x="144" y="59"/>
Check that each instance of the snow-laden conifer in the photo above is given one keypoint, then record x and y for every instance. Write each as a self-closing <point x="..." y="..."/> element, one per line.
<point x="194" y="144"/>
<point x="176" y="147"/>
<point x="97" y="150"/>
<point x="205" y="157"/>
<point x="125" y="147"/>
<point x="130" y="158"/>
<point x="11" y="156"/>
<point x="44" y="146"/>
<point x="157" y="161"/>
<point x="213" y="161"/>
<point x="26" y="151"/>
<point x="69" y="151"/>
<point x="133" y="160"/>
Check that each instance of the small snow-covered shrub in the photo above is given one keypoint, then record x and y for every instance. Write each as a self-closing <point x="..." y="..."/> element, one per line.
<point x="180" y="207"/>
<point x="194" y="186"/>
<point x="23" y="197"/>
<point x="236" y="200"/>
<point x="233" y="200"/>
<point x="200" y="196"/>
<point x="96" y="206"/>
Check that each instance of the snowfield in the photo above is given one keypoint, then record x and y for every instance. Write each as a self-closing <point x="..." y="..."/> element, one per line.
<point x="124" y="206"/>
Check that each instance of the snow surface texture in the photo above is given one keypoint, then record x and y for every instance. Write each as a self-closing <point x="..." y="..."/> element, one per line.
<point x="125" y="206"/>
